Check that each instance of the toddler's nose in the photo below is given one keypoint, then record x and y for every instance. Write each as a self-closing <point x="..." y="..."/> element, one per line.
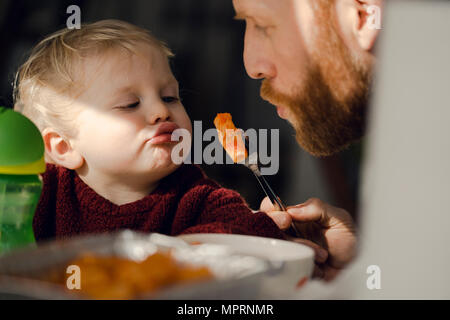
<point x="159" y="113"/>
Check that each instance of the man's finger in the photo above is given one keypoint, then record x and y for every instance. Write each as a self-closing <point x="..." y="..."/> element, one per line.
<point x="266" y="205"/>
<point x="325" y="272"/>
<point x="312" y="210"/>
<point x="321" y="255"/>
<point x="330" y="273"/>
<point x="318" y="272"/>
<point x="281" y="218"/>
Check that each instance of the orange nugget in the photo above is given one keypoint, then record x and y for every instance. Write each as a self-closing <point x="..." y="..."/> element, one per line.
<point x="230" y="137"/>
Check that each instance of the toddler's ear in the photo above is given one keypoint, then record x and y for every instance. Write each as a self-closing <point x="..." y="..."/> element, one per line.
<point x="60" y="151"/>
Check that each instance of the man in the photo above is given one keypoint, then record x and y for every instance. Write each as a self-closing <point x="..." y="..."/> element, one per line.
<point x="315" y="59"/>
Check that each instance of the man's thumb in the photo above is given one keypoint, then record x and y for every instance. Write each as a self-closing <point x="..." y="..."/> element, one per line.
<point x="311" y="210"/>
<point x="266" y="205"/>
<point x="281" y="218"/>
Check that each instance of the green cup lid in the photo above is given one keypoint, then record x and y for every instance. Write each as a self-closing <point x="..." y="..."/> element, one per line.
<point x="21" y="144"/>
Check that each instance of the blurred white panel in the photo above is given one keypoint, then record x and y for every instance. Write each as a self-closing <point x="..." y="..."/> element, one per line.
<point x="405" y="205"/>
<point x="406" y="189"/>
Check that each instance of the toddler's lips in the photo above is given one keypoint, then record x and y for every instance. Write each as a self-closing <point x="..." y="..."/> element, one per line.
<point x="163" y="138"/>
<point x="164" y="133"/>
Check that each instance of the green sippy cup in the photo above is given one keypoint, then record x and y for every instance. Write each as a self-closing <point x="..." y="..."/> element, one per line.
<point x="21" y="161"/>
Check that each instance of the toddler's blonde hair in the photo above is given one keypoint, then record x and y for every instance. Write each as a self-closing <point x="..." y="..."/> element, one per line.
<point x="53" y="63"/>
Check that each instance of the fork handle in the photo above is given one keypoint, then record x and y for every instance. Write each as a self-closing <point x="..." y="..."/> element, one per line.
<point x="272" y="196"/>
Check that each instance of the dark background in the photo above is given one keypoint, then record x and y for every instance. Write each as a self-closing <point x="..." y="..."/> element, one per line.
<point x="208" y="45"/>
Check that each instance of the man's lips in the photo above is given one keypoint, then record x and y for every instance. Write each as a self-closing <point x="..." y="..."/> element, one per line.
<point x="282" y="112"/>
<point x="164" y="133"/>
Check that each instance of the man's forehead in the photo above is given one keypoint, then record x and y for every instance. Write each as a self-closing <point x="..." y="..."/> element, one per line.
<point x="246" y="8"/>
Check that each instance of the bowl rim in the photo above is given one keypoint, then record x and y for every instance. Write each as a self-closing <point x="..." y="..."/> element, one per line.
<point x="306" y="252"/>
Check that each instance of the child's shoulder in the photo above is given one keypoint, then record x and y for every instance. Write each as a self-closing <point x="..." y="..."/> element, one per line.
<point x="53" y="172"/>
<point x="53" y="168"/>
<point x="191" y="175"/>
<point x="192" y="181"/>
<point x="56" y="177"/>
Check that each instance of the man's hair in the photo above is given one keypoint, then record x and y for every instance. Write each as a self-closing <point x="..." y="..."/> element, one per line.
<point x="53" y="64"/>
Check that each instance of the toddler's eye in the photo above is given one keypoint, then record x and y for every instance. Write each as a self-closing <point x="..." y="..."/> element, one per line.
<point x="170" y="99"/>
<point x="130" y="106"/>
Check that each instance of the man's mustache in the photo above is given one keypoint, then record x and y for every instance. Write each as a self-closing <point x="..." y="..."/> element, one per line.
<point x="271" y="95"/>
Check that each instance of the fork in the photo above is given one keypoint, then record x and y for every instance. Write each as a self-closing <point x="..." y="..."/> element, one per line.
<point x="252" y="162"/>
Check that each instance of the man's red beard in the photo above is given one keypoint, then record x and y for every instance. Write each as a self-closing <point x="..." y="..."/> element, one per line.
<point x="329" y="109"/>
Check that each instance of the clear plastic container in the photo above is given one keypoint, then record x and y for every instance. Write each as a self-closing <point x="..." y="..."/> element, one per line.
<point x="19" y="195"/>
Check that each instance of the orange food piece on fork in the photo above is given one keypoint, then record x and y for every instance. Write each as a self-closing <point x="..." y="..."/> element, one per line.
<point x="231" y="138"/>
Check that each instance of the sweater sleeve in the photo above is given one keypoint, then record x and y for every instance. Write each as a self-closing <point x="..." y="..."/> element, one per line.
<point x="220" y="210"/>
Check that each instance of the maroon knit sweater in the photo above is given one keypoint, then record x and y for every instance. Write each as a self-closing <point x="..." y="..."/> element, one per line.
<point x="184" y="202"/>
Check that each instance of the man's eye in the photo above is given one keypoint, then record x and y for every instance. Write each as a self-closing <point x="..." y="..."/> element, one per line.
<point x="261" y="29"/>
<point x="130" y="106"/>
<point x="170" y="99"/>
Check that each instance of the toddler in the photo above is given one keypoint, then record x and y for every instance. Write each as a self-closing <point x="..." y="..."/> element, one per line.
<point x="106" y="103"/>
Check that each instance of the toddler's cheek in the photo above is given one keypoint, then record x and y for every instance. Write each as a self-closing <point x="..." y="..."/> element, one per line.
<point x="108" y="157"/>
<point x="183" y="120"/>
<point x="187" y="126"/>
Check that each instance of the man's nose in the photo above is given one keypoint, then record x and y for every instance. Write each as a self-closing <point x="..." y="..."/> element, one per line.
<point x="158" y="113"/>
<point x="257" y="61"/>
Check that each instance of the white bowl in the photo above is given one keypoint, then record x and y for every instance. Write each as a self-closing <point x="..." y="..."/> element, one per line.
<point x="297" y="259"/>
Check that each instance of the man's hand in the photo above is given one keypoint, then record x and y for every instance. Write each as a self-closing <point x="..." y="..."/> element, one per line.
<point x="330" y="231"/>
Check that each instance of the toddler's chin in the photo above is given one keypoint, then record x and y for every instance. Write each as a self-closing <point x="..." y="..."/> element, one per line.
<point x="155" y="163"/>
<point x="162" y="155"/>
<point x="163" y="165"/>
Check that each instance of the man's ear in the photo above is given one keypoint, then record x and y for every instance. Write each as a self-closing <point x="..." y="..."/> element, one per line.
<point x="60" y="151"/>
<point x="368" y="26"/>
